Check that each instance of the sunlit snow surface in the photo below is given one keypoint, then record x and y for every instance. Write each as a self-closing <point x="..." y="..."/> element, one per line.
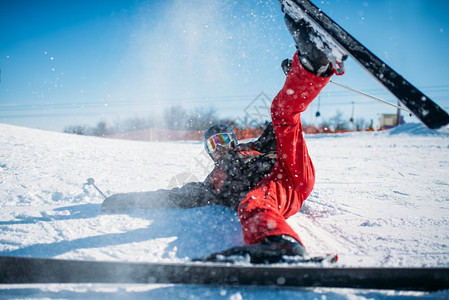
<point x="380" y="199"/>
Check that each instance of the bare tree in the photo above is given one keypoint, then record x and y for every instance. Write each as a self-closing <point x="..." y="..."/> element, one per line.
<point x="76" y="129"/>
<point x="175" y="117"/>
<point x="337" y="122"/>
<point x="360" y="124"/>
<point x="202" y="117"/>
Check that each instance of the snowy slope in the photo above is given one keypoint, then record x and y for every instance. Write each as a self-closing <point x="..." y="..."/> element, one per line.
<point x="380" y="199"/>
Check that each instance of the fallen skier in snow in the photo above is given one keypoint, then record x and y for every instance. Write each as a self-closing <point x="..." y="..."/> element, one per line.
<point x="267" y="180"/>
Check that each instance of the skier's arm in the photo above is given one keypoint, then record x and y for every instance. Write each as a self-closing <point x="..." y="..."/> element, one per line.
<point x="266" y="141"/>
<point x="123" y="201"/>
<point x="192" y="194"/>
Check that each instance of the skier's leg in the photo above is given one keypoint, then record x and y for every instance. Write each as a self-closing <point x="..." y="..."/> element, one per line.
<point x="264" y="209"/>
<point x="300" y="89"/>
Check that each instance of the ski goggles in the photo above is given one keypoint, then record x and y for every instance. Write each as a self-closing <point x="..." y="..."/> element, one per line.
<point x="217" y="140"/>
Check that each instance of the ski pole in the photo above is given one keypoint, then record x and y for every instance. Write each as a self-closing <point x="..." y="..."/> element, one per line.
<point x="91" y="181"/>
<point x="370" y="96"/>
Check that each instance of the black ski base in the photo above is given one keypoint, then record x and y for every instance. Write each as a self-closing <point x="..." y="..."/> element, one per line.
<point x="44" y="270"/>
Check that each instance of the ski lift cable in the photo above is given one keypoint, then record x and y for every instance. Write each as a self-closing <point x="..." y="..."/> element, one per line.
<point x="370" y="96"/>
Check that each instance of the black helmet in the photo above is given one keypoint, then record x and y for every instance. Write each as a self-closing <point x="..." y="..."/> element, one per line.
<point x="216" y="129"/>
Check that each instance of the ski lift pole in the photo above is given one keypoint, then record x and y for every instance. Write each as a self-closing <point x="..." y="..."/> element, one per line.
<point x="352" y="114"/>
<point x="372" y="97"/>
<point x="91" y="181"/>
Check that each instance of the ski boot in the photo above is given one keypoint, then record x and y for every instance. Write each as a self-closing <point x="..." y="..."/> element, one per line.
<point x="272" y="249"/>
<point x="316" y="54"/>
<point x="285" y="244"/>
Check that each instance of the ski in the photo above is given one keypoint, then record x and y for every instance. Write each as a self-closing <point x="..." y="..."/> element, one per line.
<point x="46" y="270"/>
<point x="426" y="110"/>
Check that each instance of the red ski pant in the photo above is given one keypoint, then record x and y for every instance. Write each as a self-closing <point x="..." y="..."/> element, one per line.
<point x="264" y="210"/>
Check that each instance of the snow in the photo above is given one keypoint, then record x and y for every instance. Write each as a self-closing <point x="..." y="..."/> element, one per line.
<point x="380" y="199"/>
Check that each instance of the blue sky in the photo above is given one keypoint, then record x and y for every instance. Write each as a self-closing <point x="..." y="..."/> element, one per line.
<point x="79" y="62"/>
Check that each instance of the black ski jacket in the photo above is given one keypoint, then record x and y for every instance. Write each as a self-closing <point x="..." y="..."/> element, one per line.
<point x="231" y="179"/>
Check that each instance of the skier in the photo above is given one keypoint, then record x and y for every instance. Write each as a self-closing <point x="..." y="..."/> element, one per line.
<point x="266" y="181"/>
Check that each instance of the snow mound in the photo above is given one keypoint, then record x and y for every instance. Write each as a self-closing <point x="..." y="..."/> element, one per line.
<point x="419" y="130"/>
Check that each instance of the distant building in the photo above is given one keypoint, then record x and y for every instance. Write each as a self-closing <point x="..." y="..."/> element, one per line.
<point x="390" y="120"/>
